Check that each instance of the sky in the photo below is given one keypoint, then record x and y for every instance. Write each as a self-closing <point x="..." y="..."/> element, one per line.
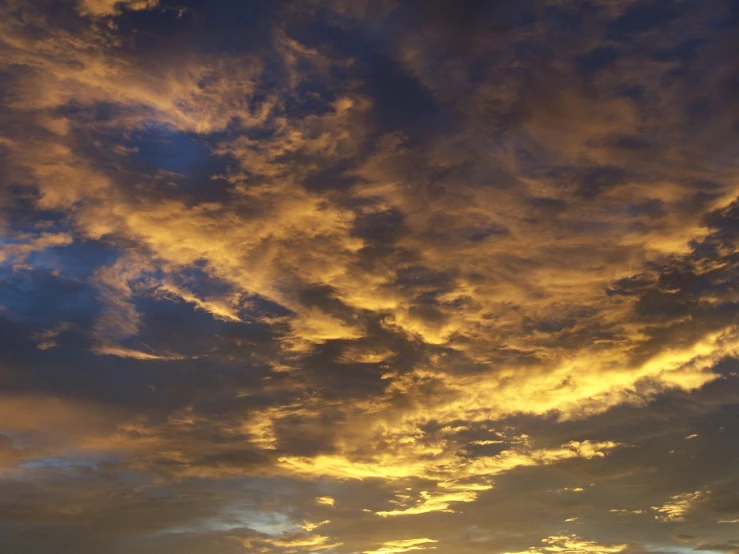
<point x="369" y="276"/>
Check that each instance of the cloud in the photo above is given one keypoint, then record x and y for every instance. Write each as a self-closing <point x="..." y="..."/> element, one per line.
<point x="716" y="547"/>
<point x="122" y="352"/>
<point x="217" y="308"/>
<point x="678" y="506"/>
<point x="48" y="338"/>
<point x="458" y="480"/>
<point x="433" y="503"/>
<point x="101" y="8"/>
<point x="21" y="247"/>
<point x="575" y="545"/>
<point x="406" y="545"/>
<point x="290" y="544"/>
<point x="412" y="266"/>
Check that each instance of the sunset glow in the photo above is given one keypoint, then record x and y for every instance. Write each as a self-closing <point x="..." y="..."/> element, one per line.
<point x="369" y="276"/>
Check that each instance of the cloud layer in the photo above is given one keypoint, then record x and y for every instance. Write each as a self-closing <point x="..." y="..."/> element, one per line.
<point x="375" y="276"/>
